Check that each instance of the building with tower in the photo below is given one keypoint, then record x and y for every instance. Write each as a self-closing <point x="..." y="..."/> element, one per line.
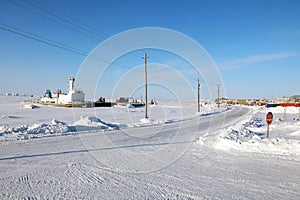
<point x="73" y="96"/>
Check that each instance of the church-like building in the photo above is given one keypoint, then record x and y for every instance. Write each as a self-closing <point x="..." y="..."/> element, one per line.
<point x="73" y="96"/>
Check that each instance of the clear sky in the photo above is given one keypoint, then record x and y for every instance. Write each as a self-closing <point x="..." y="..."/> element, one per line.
<point x="255" y="44"/>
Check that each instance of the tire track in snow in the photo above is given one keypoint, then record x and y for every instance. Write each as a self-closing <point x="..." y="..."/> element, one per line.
<point x="89" y="174"/>
<point x="284" y="187"/>
<point x="274" y="156"/>
<point x="126" y="183"/>
<point x="83" y="175"/>
<point x="25" y="182"/>
<point x="266" y="155"/>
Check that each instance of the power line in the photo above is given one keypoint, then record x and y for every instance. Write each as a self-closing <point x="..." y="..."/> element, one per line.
<point x="53" y="43"/>
<point x="83" y="28"/>
<point x="38" y="38"/>
<point x="68" y="22"/>
<point x="74" y="21"/>
<point x="52" y="20"/>
<point x="57" y="45"/>
<point x="65" y="17"/>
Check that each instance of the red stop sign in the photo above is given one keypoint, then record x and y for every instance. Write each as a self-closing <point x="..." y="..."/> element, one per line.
<point x="269" y="118"/>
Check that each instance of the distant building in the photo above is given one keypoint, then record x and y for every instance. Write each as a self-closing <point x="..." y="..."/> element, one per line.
<point x="11" y="94"/>
<point x="242" y="101"/>
<point x="73" y="96"/>
<point x="281" y="100"/>
<point x="296" y="98"/>
<point x="287" y="99"/>
<point x="248" y="102"/>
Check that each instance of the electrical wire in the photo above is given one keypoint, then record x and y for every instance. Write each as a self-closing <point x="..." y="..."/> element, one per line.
<point x="71" y="23"/>
<point x="54" y="44"/>
<point x="81" y="28"/>
<point x="64" y="47"/>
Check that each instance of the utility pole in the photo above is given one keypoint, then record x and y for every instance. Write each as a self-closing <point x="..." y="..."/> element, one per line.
<point x="198" y="95"/>
<point x="146" y="92"/>
<point x="299" y="114"/>
<point x="218" y="102"/>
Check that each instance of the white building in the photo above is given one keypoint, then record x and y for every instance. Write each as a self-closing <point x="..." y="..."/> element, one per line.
<point x="72" y="97"/>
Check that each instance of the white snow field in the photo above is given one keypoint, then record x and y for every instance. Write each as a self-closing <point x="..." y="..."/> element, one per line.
<point x="108" y="153"/>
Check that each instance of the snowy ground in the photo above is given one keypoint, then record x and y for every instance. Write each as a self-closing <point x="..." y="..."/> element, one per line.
<point x="249" y="134"/>
<point x="17" y="122"/>
<point x="107" y="153"/>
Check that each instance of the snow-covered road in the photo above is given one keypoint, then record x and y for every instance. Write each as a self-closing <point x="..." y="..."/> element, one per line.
<point x="155" y="162"/>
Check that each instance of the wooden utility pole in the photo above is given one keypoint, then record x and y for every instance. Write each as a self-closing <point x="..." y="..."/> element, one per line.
<point x="198" y="95"/>
<point x="146" y="86"/>
<point x="218" y="96"/>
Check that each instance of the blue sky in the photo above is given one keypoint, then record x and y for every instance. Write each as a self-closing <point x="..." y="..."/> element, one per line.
<point x="255" y="44"/>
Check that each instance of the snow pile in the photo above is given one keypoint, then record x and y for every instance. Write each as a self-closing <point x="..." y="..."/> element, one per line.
<point x="212" y="110"/>
<point x="18" y="123"/>
<point x="146" y="120"/>
<point x="46" y="128"/>
<point x="281" y="110"/>
<point x="33" y="131"/>
<point x="250" y="134"/>
<point x="151" y="122"/>
<point x="86" y="123"/>
<point x="249" y="130"/>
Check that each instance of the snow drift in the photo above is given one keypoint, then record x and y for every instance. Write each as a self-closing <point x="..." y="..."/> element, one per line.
<point x="86" y="123"/>
<point x="250" y="134"/>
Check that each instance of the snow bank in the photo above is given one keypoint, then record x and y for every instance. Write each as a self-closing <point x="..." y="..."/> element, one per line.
<point x="151" y="122"/>
<point x="86" y="123"/>
<point x="18" y="123"/>
<point x="249" y="135"/>
<point x="213" y="110"/>
<point x="33" y="131"/>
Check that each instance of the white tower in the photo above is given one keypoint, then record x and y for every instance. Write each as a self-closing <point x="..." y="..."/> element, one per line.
<point x="71" y="83"/>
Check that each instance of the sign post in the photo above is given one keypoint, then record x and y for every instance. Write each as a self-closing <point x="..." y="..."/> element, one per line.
<point x="269" y="119"/>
